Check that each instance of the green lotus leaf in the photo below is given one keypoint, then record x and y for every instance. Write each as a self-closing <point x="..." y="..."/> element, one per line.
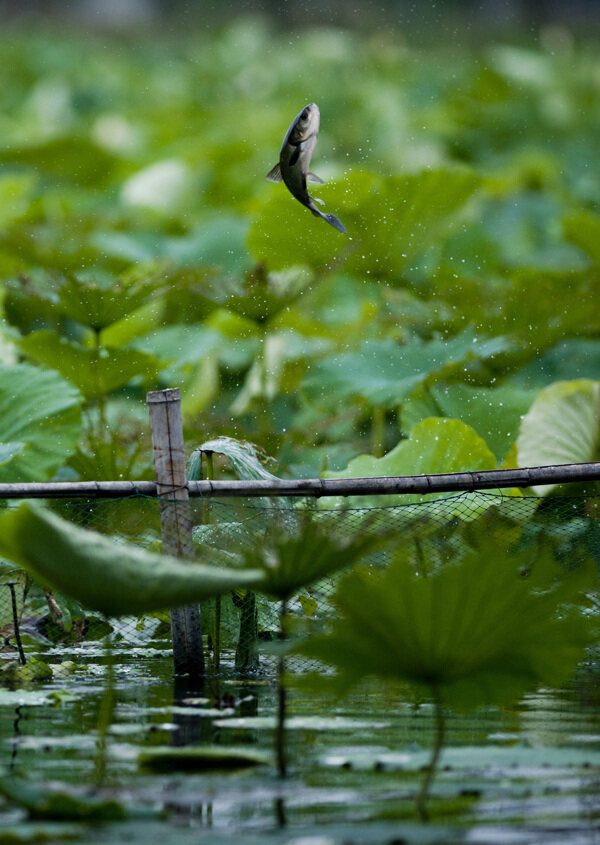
<point x="40" y="422"/>
<point x="389" y="220"/>
<point x="9" y="450"/>
<point x="475" y="632"/>
<point x="205" y="758"/>
<point x="583" y="229"/>
<point x="28" y="304"/>
<point x="62" y="801"/>
<point x="113" y="578"/>
<point x="494" y="413"/>
<point x="71" y="158"/>
<point x="215" y="243"/>
<point x="533" y="298"/>
<point x="94" y="371"/>
<point x="298" y="551"/>
<point x="385" y="373"/>
<point x="15" y="190"/>
<point x="562" y="427"/>
<point x="435" y="445"/>
<point x="100" y="303"/>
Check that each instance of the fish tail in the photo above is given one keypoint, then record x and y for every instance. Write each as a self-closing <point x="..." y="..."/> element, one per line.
<point x="335" y="222"/>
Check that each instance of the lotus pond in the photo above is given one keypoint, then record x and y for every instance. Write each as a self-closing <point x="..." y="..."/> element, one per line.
<point x="453" y="330"/>
<point x="529" y="774"/>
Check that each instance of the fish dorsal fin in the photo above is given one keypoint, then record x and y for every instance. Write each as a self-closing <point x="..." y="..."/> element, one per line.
<point x="275" y="174"/>
<point x="312" y="177"/>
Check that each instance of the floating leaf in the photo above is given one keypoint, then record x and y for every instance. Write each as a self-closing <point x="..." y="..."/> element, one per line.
<point x="114" y="578"/>
<point x="301" y="723"/>
<point x="520" y="757"/>
<point x="200" y="758"/>
<point x="59" y="801"/>
<point x="28" y="832"/>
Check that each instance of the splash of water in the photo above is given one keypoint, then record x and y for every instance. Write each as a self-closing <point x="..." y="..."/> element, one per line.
<point x="245" y="461"/>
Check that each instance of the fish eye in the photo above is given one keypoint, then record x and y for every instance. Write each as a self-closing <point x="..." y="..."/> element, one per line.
<point x="305" y="115"/>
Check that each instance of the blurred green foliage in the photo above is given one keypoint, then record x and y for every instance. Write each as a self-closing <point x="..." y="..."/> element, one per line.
<point x="141" y="247"/>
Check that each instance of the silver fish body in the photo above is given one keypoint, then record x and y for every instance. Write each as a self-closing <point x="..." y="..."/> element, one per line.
<point x="294" y="161"/>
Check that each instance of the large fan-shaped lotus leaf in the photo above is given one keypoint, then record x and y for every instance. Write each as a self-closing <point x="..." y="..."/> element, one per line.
<point x="476" y="632"/>
<point x="112" y="577"/>
<point x="216" y="243"/>
<point x="562" y="426"/>
<point x="94" y="371"/>
<point x="385" y="373"/>
<point x="40" y="422"/>
<point x="435" y="445"/>
<point x="539" y="298"/>
<point x="100" y="303"/>
<point x="298" y="551"/>
<point x="494" y="413"/>
<point x="389" y="221"/>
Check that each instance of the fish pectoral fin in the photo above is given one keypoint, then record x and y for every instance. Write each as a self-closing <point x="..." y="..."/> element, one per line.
<point x="316" y="199"/>
<point x="274" y="175"/>
<point x="312" y="177"/>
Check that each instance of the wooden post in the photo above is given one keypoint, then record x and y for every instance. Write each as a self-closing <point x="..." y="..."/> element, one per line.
<point x="164" y="407"/>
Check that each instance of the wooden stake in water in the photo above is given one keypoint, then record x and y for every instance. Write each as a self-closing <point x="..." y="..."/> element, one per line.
<point x="164" y="407"/>
<point x="210" y="474"/>
<point x="13" y="598"/>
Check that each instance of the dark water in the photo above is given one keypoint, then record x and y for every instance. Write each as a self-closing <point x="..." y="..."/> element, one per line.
<point x="526" y="775"/>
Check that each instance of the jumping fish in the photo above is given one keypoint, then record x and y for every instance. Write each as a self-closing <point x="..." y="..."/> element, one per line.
<point x="294" y="159"/>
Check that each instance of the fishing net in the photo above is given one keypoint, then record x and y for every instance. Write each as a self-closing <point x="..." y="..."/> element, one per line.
<point x="241" y="629"/>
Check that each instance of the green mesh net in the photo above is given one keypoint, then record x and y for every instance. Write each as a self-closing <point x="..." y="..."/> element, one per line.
<point x="240" y="629"/>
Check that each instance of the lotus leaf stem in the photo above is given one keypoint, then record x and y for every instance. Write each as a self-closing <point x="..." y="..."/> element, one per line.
<point x="440" y="726"/>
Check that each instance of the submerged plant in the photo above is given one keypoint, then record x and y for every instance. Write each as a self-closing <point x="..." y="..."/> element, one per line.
<point x="480" y="631"/>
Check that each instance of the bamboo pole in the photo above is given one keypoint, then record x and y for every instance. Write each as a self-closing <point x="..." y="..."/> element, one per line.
<point x="316" y="487"/>
<point x="164" y="407"/>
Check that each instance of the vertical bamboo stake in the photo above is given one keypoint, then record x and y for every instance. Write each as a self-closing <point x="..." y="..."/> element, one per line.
<point x="210" y="474"/>
<point x="164" y="407"/>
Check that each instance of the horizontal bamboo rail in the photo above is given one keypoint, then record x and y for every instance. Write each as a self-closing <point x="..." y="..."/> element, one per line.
<point x="316" y="487"/>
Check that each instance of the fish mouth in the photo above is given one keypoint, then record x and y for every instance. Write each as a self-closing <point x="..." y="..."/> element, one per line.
<point x="314" y="119"/>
